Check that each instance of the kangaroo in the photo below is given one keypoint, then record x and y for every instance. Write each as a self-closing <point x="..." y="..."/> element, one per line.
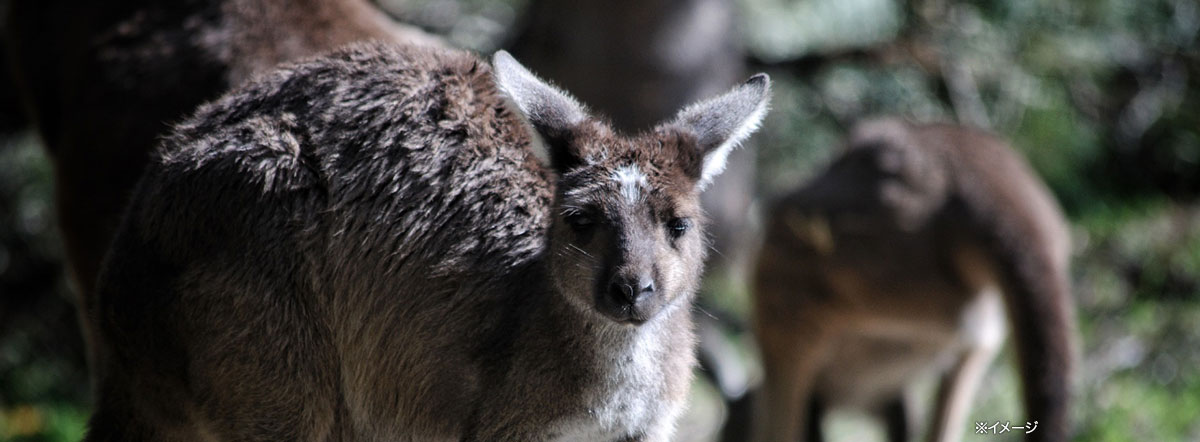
<point x="405" y="243"/>
<point x="103" y="81"/>
<point x="899" y="260"/>
<point x="631" y="77"/>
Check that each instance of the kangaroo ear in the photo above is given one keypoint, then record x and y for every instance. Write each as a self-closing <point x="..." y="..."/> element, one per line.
<point x="722" y="123"/>
<point x="552" y="112"/>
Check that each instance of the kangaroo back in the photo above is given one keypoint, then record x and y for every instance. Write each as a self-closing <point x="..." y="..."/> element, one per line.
<point x="103" y="82"/>
<point x="1032" y="253"/>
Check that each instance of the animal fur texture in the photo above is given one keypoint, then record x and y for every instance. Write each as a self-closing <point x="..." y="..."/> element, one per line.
<point x="373" y="245"/>
<point x="104" y="81"/>
<point x="900" y="260"/>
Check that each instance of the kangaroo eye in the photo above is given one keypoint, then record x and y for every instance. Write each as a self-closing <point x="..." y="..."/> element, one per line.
<point x="580" y="221"/>
<point x="678" y="226"/>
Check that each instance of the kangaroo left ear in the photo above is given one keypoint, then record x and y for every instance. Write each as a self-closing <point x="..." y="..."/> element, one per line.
<point x="552" y="112"/>
<point x="722" y="123"/>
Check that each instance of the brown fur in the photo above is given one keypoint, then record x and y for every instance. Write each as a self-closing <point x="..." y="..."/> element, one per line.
<point x="886" y="267"/>
<point x="103" y="81"/>
<point x="370" y="246"/>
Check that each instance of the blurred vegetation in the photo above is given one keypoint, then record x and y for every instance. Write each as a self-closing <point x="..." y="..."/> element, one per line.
<point x="43" y="381"/>
<point x="1103" y="97"/>
<point x="1094" y="93"/>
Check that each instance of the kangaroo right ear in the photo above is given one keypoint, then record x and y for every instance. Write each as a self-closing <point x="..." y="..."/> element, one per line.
<point x="721" y="124"/>
<point x="552" y="112"/>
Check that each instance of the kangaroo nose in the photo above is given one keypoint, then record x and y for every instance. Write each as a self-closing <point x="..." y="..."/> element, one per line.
<point x="629" y="291"/>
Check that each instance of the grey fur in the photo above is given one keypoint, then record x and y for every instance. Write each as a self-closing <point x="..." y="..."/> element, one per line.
<point x="718" y="133"/>
<point x="364" y="246"/>
<point x="548" y="109"/>
<point x="104" y="81"/>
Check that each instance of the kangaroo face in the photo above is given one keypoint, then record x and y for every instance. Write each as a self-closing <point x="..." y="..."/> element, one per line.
<point x="627" y="241"/>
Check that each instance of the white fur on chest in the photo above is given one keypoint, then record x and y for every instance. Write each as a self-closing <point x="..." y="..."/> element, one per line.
<point x="631" y="400"/>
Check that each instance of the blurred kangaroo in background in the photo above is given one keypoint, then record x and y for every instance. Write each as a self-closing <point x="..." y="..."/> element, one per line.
<point x="899" y="260"/>
<point x="373" y="245"/>
<point x="102" y="81"/>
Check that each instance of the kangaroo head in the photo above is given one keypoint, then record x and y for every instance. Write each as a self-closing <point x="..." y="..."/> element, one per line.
<point x="888" y="177"/>
<point x="627" y="238"/>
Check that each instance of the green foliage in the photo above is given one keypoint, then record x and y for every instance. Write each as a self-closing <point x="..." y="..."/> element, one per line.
<point x="1131" y="409"/>
<point x="1137" y="281"/>
<point x="1102" y="98"/>
<point x="43" y="387"/>
<point x="57" y="422"/>
<point x="1095" y="94"/>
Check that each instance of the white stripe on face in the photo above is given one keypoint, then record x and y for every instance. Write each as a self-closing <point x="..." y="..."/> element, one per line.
<point x="630" y="180"/>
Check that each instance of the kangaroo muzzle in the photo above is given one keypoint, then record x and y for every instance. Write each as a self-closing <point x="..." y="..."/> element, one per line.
<point x="631" y="299"/>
